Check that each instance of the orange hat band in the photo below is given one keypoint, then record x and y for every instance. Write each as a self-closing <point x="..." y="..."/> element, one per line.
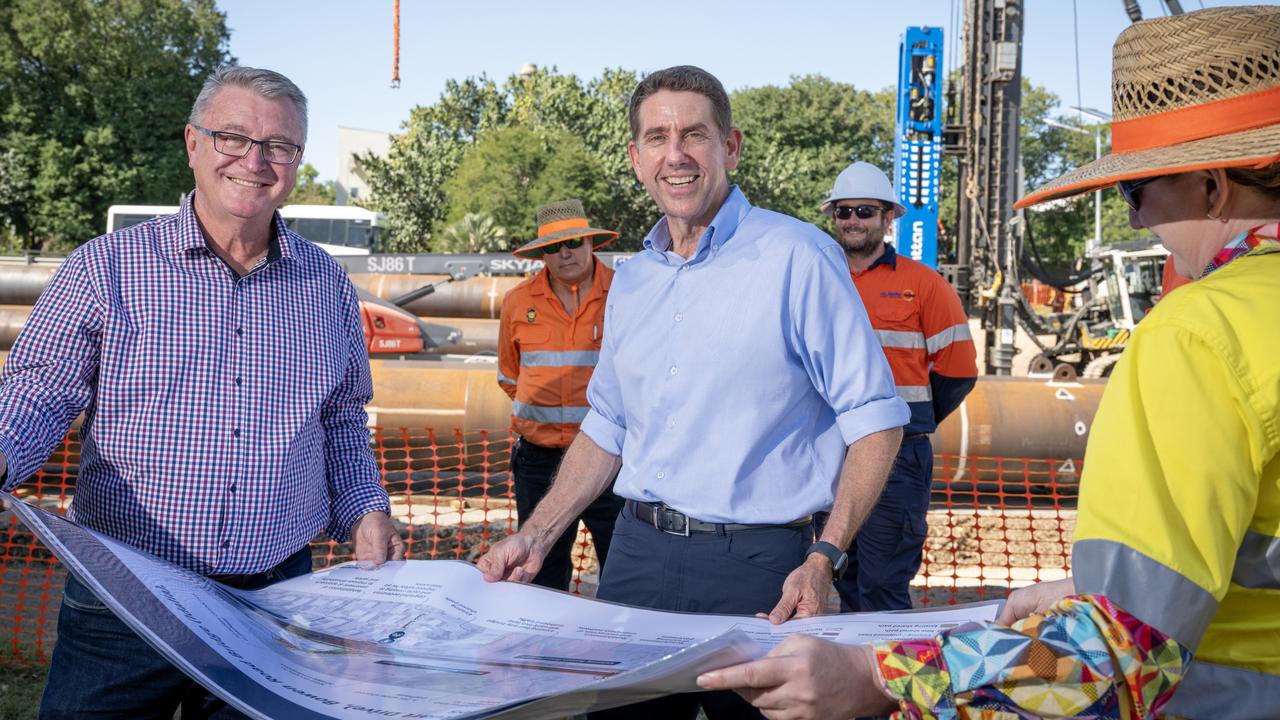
<point x="557" y="226"/>
<point x="1220" y="117"/>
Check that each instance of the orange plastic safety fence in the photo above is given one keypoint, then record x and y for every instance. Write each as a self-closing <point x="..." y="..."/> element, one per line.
<point x="994" y="524"/>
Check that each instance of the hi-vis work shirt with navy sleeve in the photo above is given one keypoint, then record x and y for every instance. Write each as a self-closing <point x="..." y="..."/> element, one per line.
<point x="546" y="357"/>
<point x="1180" y="498"/>
<point x="922" y="327"/>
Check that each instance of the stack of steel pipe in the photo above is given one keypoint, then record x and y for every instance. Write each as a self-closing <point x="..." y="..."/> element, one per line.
<point x="471" y="306"/>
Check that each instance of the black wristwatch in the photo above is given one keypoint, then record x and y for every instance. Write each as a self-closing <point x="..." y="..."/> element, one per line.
<point x="839" y="558"/>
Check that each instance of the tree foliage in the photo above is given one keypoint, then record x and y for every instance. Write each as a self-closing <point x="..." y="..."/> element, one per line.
<point x="475" y="233"/>
<point x="94" y="95"/>
<point x="310" y="190"/>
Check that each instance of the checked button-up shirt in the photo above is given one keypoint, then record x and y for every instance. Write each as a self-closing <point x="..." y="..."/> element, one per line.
<point x="224" y="416"/>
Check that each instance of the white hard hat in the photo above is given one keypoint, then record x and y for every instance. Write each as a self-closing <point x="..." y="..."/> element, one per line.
<point x="863" y="180"/>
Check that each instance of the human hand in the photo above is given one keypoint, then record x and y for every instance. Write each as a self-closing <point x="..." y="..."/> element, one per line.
<point x="804" y="591"/>
<point x="805" y="677"/>
<point x="516" y="558"/>
<point x="1034" y="599"/>
<point x="376" y="540"/>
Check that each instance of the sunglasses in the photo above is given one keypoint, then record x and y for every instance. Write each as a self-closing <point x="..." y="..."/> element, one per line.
<point x="553" y="248"/>
<point x="864" y="212"/>
<point x="1129" y="190"/>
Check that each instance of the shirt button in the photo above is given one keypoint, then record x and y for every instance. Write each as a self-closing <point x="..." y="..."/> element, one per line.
<point x="239" y="331"/>
<point x="679" y="317"/>
<point x="226" y="544"/>
<point x="235" y="433"/>
<point x="661" y="474"/>
<point x="232" y="488"/>
<point x="674" y="369"/>
<point x="239" y="381"/>
<point x="671" y="422"/>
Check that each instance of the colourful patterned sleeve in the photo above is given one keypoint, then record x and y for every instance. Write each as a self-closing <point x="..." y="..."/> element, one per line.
<point x="1085" y="657"/>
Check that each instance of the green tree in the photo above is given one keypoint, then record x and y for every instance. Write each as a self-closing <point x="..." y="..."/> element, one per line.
<point x="510" y="171"/>
<point x="94" y="95"/>
<point x="309" y="190"/>
<point x="474" y="233"/>
<point x="799" y="137"/>
<point x="408" y="184"/>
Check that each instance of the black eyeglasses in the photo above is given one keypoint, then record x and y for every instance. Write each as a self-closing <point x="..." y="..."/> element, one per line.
<point x="553" y="248"/>
<point x="273" y="151"/>
<point x="1129" y="190"/>
<point x="864" y="212"/>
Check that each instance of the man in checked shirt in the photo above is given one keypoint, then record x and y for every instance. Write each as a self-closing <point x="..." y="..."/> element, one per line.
<point x="220" y="363"/>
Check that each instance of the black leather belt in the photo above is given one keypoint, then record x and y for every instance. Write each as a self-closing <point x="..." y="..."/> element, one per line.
<point x="674" y="522"/>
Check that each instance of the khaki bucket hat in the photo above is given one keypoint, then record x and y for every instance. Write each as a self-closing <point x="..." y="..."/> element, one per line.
<point x="1188" y="92"/>
<point x="563" y="220"/>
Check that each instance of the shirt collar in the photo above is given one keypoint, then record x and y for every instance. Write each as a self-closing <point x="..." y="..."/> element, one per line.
<point x="888" y="257"/>
<point x="730" y="215"/>
<point x="190" y="237"/>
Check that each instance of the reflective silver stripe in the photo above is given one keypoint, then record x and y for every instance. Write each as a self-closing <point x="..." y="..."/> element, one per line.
<point x="948" y="336"/>
<point x="543" y="413"/>
<point x="1223" y="692"/>
<point x="504" y="379"/>
<point x="1258" y="564"/>
<point x="901" y="339"/>
<point x="562" y="358"/>
<point x="915" y="393"/>
<point x="1144" y="588"/>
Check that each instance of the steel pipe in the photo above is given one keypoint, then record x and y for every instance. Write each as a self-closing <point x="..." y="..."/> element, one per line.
<point x="12" y="318"/>
<point x="478" y="297"/>
<point x="21" y="283"/>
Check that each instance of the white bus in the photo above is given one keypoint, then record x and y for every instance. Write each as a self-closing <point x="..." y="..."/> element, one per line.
<point x="338" y="229"/>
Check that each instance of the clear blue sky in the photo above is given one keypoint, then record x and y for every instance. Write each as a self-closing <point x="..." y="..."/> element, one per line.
<point x="340" y="51"/>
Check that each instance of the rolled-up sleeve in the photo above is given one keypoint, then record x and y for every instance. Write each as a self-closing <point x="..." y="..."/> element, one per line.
<point x="50" y="375"/>
<point x="352" y="472"/>
<point x="840" y="351"/>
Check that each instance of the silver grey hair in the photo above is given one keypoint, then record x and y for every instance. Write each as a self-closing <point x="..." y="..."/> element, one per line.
<point x="264" y="83"/>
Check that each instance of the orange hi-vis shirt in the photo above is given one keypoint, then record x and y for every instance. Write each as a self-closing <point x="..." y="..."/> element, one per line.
<point x="546" y="357"/>
<point x="925" y="335"/>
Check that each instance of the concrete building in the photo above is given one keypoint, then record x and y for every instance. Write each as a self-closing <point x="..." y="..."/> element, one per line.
<point x="352" y="187"/>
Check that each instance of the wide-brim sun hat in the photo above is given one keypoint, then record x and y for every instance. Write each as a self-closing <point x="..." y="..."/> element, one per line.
<point x="563" y="220"/>
<point x="1188" y="92"/>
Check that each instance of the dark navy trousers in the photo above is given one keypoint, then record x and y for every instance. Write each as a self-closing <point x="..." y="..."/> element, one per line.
<point x="102" y="669"/>
<point x="736" y="573"/>
<point x="887" y="551"/>
<point x="533" y="467"/>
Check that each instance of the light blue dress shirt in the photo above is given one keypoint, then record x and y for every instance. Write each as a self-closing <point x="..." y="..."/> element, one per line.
<point x="731" y="383"/>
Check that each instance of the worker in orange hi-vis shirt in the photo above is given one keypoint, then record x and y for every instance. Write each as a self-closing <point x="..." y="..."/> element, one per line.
<point x="548" y="341"/>
<point x="925" y="335"/>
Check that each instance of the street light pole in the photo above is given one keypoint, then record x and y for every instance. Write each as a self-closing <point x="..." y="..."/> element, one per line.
<point x="1092" y="246"/>
<point x="1097" y="153"/>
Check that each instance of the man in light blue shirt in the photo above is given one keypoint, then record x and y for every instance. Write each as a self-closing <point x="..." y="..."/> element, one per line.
<point x="739" y="390"/>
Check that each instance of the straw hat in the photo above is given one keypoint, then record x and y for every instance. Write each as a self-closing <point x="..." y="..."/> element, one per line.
<point x="563" y="220"/>
<point x="1188" y="92"/>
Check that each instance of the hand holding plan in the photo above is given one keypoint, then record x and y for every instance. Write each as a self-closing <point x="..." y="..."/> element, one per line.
<point x="806" y="677"/>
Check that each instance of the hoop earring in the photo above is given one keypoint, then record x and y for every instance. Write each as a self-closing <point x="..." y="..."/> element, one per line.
<point x="1217" y="217"/>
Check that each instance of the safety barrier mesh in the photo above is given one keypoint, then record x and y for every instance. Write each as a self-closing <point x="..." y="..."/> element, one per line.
<point x="994" y="524"/>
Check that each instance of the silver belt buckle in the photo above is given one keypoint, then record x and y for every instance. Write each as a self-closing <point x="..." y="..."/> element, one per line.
<point x="664" y="511"/>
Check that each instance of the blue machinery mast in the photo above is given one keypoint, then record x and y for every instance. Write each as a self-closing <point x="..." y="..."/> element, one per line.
<point x="918" y="143"/>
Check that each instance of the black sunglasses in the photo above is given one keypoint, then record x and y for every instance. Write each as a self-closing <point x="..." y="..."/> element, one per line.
<point x="553" y="248"/>
<point x="1129" y="190"/>
<point x="864" y="212"/>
